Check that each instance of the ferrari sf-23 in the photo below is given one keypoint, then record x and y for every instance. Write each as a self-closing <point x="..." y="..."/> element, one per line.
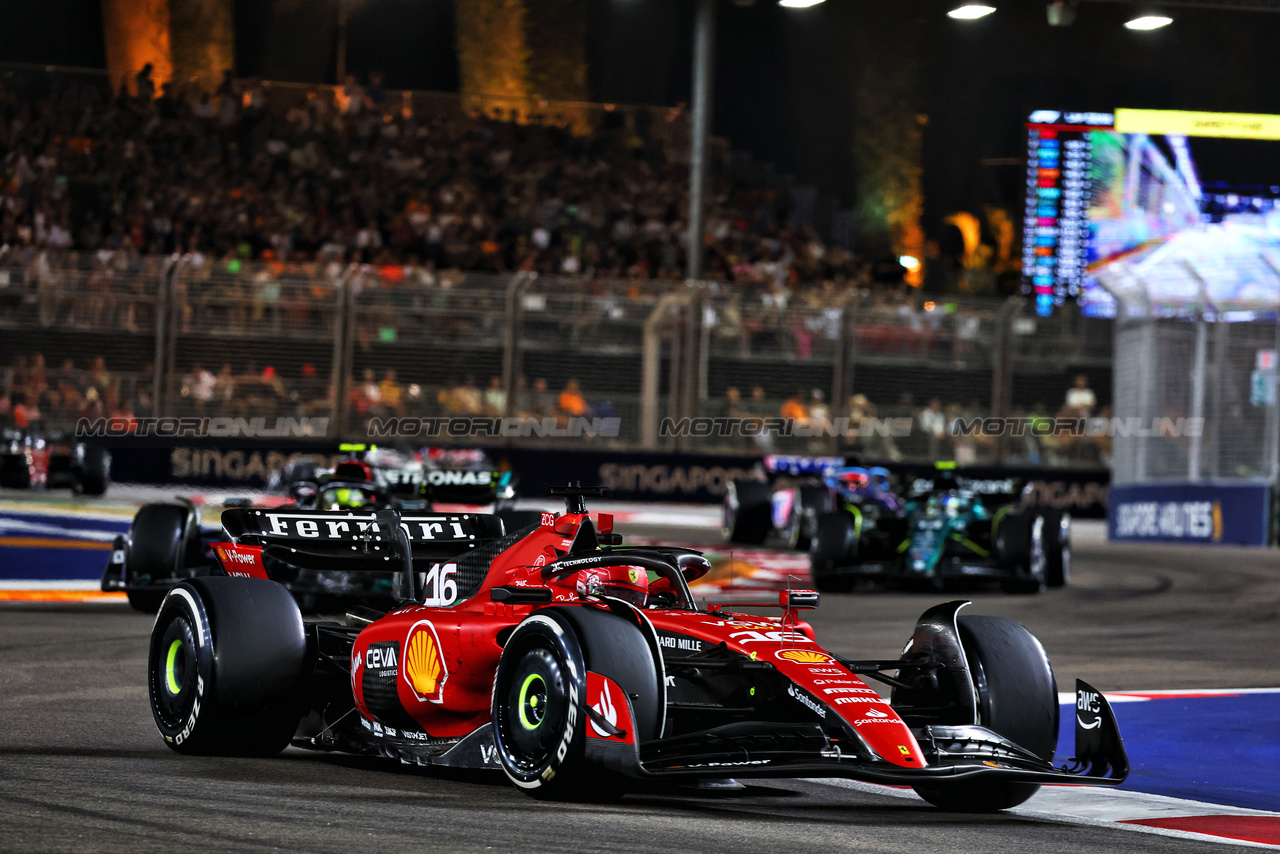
<point x="578" y="667"/>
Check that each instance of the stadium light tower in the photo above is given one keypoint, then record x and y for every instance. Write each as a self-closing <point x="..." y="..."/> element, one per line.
<point x="704" y="31"/>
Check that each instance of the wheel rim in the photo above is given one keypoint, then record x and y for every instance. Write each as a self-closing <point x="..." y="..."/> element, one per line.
<point x="532" y="701"/>
<point x="1037" y="557"/>
<point x="535" y="709"/>
<point x="174" y="672"/>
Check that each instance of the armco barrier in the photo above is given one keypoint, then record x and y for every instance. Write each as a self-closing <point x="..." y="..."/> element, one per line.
<point x="631" y="475"/>
<point x="1235" y="514"/>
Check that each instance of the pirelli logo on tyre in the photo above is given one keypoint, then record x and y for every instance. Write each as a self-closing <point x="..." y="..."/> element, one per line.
<point x="804" y="656"/>
<point x="423" y="664"/>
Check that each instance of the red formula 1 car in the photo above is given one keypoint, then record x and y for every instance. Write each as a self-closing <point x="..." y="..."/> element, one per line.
<point x="577" y="666"/>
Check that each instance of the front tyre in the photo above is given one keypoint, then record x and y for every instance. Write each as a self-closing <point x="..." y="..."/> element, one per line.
<point x="226" y="667"/>
<point x="1017" y="698"/>
<point x="539" y="727"/>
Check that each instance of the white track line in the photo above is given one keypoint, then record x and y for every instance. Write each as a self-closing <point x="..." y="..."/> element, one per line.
<point x="50" y="584"/>
<point x="1096" y="807"/>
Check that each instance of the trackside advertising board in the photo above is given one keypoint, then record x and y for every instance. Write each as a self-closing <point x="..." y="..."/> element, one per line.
<point x="1190" y="513"/>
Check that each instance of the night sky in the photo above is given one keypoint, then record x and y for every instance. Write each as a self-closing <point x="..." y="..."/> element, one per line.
<point x="783" y="77"/>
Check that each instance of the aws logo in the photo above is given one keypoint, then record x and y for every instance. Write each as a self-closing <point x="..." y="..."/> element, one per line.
<point x="804" y="656"/>
<point x="423" y="663"/>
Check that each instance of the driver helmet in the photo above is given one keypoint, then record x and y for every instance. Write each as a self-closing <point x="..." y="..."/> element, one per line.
<point x="628" y="583"/>
<point x="854" y="480"/>
<point x="344" y="498"/>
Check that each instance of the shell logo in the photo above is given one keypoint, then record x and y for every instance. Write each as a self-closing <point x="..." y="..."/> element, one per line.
<point x="804" y="656"/>
<point x="424" y="669"/>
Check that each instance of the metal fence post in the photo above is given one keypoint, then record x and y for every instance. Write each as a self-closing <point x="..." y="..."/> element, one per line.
<point x="846" y="358"/>
<point x="1198" y="375"/>
<point x="512" y="355"/>
<point x="343" y="348"/>
<point x="1001" y="368"/>
<point x="164" y="291"/>
<point x="167" y="341"/>
<point x="651" y="368"/>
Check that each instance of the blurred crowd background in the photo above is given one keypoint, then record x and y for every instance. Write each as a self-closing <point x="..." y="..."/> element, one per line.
<point x="344" y="251"/>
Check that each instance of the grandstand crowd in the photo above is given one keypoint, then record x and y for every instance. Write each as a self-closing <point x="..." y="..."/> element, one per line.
<point x="269" y="201"/>
<point x="343" y="176"/>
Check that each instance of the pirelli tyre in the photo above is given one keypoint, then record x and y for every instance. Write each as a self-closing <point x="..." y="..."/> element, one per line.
<point x="226" y="667"/>
<point x="810" y="502"/>
<point x="159" y="541"/>
<point x="835" y="545"/>
<point x="539" y="723"/>
<point x="1057" y="548"/>
<point x="94" y="473"/>
<point x="1017" y="698"/>
<point x="1022" y="549"/>
<point x="746" y="512"/>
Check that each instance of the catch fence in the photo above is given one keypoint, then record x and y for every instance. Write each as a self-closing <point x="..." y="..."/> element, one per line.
<point x="657" y="365"/>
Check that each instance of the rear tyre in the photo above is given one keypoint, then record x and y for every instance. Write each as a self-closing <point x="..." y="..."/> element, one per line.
<point x="1031" y="573"/>
<point x="95" y="474"/>
<point x="1057" y="548"/>
<point x="810" y="503"/>
<point x="158" y="540"/>
<point x="1017" y="698"/>
<point x="14" y="473"/>
<point x="746" y="512"/>
<point x="539" y="727"/>
<point x="226" y="666"/>
<point x="835" y="545"/>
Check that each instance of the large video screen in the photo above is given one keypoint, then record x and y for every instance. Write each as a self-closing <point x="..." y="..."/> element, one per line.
<point x="1182" y="206"/>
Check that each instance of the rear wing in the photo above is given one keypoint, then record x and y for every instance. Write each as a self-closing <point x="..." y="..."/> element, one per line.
<point x="338" y="538"/>
<point x="799" y="465"/>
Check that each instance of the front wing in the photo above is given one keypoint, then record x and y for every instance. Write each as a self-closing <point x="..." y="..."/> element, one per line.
<point x="954" y="754"/>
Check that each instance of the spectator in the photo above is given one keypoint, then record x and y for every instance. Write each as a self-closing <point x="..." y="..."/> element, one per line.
<point x="25" y="413"/>
<point x="224" y="386"/>
<point x="932" y="421"/>
<point x="793" y="407"/>
<point x="544" y="402"/>
<point x="146" y="87"/>
<point x="391" y="393"/>
<point x="495" y="398"/>
<point x="571" y="402"/>
<point x="369" y="395"/>
<point x="1080" y="398"/>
